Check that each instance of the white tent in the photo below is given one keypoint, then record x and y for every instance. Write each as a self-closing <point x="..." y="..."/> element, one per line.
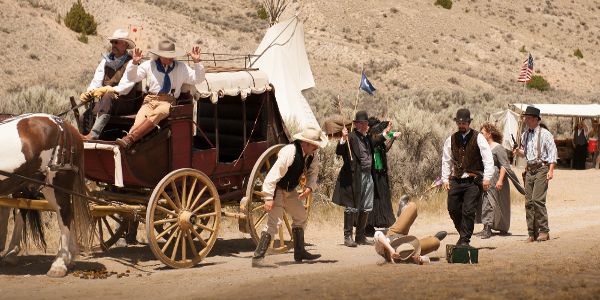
<point x="562" y="110"/>
<point x="508" y="122"/>
<point x="282" y="55"/>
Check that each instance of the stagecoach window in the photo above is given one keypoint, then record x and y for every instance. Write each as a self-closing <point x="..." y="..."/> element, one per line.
<point x="230" y="120"/>
<point x="206" y="122"/>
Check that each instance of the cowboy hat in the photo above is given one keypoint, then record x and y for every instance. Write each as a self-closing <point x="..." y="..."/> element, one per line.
<point x="406" y="246"/>
<point x="122" y="35"/>
<point x="532" y="111"/>
<point x="312" y="135"/>
<point x="360" y="116"/>
<point x="167" y="49"/>
<point x="463" y="115"/>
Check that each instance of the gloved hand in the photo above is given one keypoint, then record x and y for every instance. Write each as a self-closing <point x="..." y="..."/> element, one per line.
<point x="99" y="92"/>
<point x="86" y="97"/>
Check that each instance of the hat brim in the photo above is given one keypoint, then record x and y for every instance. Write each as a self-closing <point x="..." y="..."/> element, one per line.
<point x="167" y="54"/>
<point x="130" y="43"/>
<point x="532" y="115"/>
<point x="462" y="120"/>
<point x="404" y="255"/>
<point x="321" y="143"/>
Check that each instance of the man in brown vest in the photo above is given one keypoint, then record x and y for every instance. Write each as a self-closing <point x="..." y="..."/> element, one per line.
<point x="108" y="86"/>
<point x="467" y="167"/>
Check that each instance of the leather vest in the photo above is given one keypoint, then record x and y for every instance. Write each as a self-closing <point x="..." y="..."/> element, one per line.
<point x="291" y="179"/>
<point x="466" y="157"/>
<point x="112" y="77"/>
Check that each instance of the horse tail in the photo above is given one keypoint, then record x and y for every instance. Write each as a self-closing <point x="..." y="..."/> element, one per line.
<point x="82" y="219"/>
<point x="33" y="230"/>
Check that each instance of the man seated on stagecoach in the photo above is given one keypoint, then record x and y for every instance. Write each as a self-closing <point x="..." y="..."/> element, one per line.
<point x="164" y="78"/>
<point x="117" y="97"/>
<point x="281" y="194"/>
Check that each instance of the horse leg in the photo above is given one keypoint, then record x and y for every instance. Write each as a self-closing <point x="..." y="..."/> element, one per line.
<point x="4" y="214"/>
<point x="63" y="257"/>
<point x="12" y="252"/>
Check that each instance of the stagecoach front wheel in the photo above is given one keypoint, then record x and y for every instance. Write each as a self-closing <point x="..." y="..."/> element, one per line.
<point x="108" y="230"/>
<point x="256" y="216"/>
<point x="183" y="218"/>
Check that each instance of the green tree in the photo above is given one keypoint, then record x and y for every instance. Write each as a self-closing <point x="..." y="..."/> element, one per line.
<point x="447" y="4"/>
<point x="78" y="20"/>
<point x="539" y="83"/>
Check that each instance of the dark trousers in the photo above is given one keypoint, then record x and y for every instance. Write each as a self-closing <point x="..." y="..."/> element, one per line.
<point x="579" y="157"/>
<point x="536" y="188"/>
<point x="463" y="197"/>
<point x="125" y="105"/>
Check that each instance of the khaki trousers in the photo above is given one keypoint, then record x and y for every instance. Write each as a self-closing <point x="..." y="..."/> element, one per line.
<point x="285" y="201"/>
<point x="536" y="187"/>
<point x="155" y="108"/>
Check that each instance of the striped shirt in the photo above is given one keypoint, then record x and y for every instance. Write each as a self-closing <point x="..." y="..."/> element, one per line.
<point x="547" y="145"/>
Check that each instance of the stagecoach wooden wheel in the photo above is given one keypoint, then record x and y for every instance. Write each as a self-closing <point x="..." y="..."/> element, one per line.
<point x="256" y="216"/>
<point x="107" y="231"/>
<point x="183" y="218"/>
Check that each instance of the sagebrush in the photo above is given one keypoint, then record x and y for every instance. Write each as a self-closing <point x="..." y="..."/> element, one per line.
<point x="78" y="20"/>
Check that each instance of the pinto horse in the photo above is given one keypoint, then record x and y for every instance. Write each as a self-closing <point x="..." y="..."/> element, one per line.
<point x="41" y="148"/>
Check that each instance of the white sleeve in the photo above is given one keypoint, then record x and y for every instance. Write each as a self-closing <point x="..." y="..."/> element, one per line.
<point x="446" y="160"/>
<point x="98" y="76"/>
<point x="285" y="158"/>
<point x="486" y="157"/>
<point x="135" y="73"/>
<point x="125" y="86"/>
<point x="196" y="75"/>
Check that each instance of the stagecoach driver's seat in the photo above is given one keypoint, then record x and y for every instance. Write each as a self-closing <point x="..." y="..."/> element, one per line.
<point x="164" y="78"/>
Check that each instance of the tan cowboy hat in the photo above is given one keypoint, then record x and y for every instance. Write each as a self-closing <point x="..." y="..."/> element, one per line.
<point x="312" y="135"/>
<point x="122" y="35"/>
<point x="406" y="247"/>
<point x="167" y="49"/>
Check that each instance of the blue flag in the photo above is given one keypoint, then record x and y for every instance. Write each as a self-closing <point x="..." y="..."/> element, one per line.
<point x="366" y="85"/>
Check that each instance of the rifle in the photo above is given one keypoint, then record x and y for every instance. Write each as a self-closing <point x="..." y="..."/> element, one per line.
<point x="515" y="146"/>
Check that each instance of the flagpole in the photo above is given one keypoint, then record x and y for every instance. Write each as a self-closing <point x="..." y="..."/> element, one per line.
<point x="344" y="124"/>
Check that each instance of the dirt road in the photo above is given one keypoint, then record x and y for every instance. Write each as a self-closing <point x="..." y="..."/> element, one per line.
<point x="567" y="266"/>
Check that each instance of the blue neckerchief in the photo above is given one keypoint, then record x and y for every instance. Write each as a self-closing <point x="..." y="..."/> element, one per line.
<point x="114" y="63"/>
<point x="166" y="86"/>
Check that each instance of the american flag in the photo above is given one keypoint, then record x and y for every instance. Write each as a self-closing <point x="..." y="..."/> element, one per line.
<point x="526" y="70"/>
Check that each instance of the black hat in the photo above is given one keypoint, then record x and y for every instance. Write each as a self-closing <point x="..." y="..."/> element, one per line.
<point x="532" y="111"/>
<point x="361" y="116"/>
<point x="463" y="115"/>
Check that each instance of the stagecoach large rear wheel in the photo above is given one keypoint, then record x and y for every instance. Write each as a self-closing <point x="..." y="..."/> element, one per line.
<point x="253" y="208"/>
<point x="183" y="218"/>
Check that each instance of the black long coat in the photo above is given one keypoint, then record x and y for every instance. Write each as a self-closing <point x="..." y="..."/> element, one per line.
<point x="348" y="184"/>
<point x="383" y="213"/>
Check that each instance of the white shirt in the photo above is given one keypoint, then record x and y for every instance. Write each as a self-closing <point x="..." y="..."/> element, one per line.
<point x="486" y="157"/>
<point x="547" y="145"/>
<point x="285" y="158"/>
<point x="123" y="88"/>
<point x="154" y="79"/>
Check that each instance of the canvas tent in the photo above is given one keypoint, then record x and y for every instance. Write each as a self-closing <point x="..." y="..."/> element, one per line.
<point x="562" y="110"/>
<point x="508" y="121"/>
<point x="282" y="56"/>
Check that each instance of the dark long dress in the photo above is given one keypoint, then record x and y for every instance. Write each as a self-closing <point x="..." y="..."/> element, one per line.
<point x="382" y="215"/>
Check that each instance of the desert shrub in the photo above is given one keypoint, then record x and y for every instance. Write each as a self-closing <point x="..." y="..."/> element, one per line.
<point x="261" y="12"/>
<point x="578" y="53"/>
<point x="539" y="83"/>
<point x="83" y="38"/>
<point x="447" y="4"/>
<point x="78" y="20"/>
<point x="523" y="50"/>
<point x="39" y="98"/>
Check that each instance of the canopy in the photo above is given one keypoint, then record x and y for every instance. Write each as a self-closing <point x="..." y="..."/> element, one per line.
<point x="508" y="122"/>
<point x="561" y="110"/>
<point x="234" y="83"/>
<point x="282" y="56"/>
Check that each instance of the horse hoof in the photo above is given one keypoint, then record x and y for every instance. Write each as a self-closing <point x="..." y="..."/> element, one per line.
<point x="57" y="272"/>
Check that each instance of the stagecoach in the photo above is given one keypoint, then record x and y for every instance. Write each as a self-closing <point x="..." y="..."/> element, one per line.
<point x="205" y="162"/>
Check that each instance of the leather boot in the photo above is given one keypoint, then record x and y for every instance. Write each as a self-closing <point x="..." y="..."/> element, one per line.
<point x="361" y="239"/>
<point x="136" y="134"/>
<point x="299" y="252"/>
<point x="258" y="260"/>
<point x="348" y="224"/>
<point x="97" y="128"/>
<point x="487" y="232"/>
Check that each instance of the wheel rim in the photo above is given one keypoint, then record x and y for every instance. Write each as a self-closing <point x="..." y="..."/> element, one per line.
<point x="254" y="209"/>
<point x="183" y="218"/>
<point x="107" y="231"/>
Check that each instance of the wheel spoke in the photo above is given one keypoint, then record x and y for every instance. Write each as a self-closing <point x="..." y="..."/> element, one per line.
<point x="205" y="227"/>
<point x="176" y="247"/>
<point x="110" y="231"/>
<point x="209" y="200"/>
<point x="198" y="197"/>
<point x="170" y="201"/>
<point x="168" y="212"/>
<point x="191" y="242"/>
<point x="258" y="208"/>
<point x="199" y="237"/>
<point x="183" y="246"/>
<point x="165" y="221"/>
<point x="191" y="193"/>
<point x="206" y="215"/>
<point x="166" y="231"/>
<point x="268" y="164"/>
<point x="176" y="192"/>
<point x="184" y="191"/>
<point x="260" y="219"/>
<point x="100" y="232"/>
<point x="175" y="234"/>
<point x="120" y="221"/>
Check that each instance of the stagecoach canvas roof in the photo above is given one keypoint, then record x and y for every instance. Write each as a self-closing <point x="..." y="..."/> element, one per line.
<point x="561" y="110"/>
<point x="242" y="83"/>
